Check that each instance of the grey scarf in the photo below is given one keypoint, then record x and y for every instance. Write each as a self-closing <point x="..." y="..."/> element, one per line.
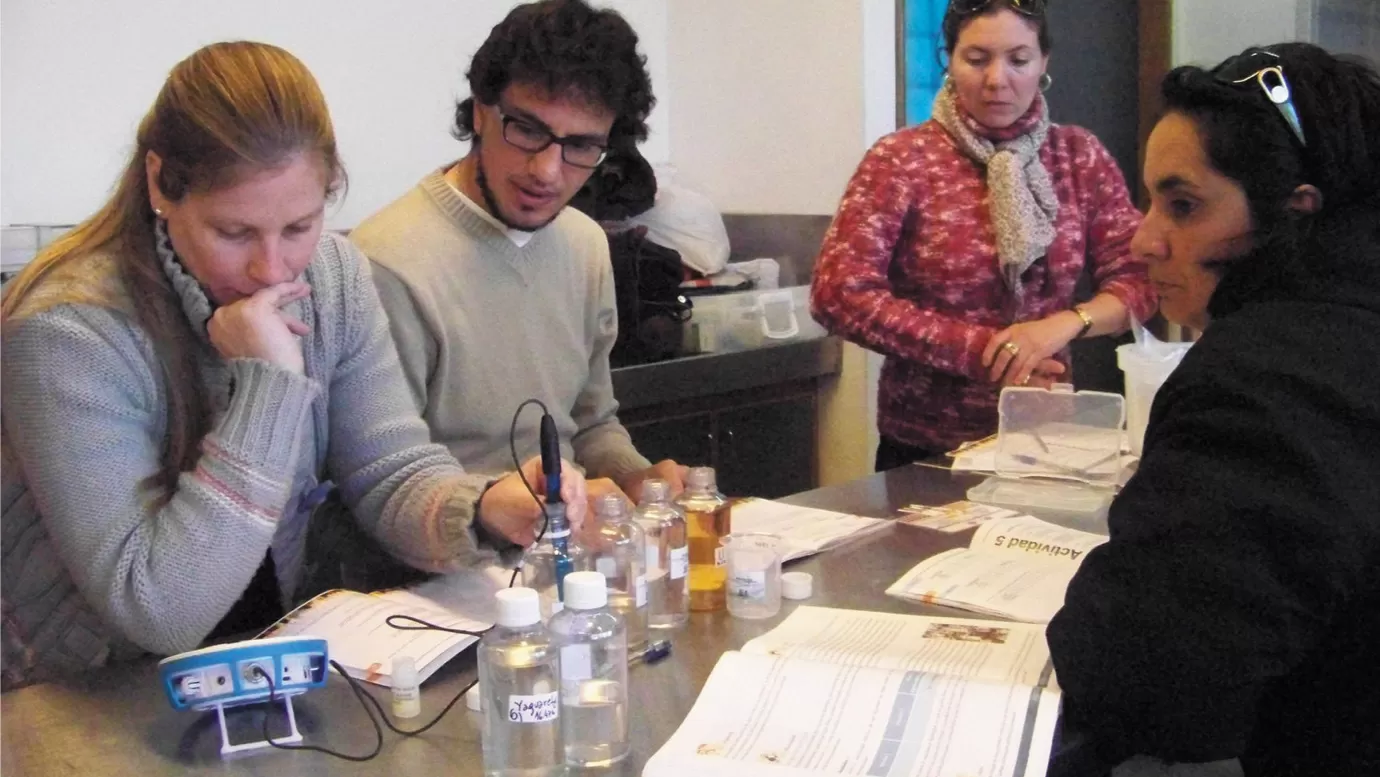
<point x="1023" y="204"/>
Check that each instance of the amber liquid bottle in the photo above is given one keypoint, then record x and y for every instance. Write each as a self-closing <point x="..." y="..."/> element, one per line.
<point x="707" y="521"/>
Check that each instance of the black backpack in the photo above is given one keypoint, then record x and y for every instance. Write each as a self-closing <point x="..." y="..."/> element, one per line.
<point x="651" y="310"/>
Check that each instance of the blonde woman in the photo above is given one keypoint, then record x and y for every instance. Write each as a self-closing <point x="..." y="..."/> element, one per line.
<point x="186" y="368"/>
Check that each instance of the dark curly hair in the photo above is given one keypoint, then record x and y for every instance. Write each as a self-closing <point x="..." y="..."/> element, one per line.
<point x="960" y="12"/>
<point x="570" y="49"/>
<point x="1247" y="140"/>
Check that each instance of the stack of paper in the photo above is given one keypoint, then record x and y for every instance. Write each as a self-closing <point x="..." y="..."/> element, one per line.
<point x="1013" y="568"/>
<point x="804" y="531"/>
<point x="833" y="692"/>
<point x="359" y="636"/>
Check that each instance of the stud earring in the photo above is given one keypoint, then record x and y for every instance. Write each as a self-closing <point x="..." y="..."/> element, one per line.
<point x="158" y="212"/>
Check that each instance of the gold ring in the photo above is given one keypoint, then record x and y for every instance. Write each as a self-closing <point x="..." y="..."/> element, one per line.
<point x="1012" y="347"/>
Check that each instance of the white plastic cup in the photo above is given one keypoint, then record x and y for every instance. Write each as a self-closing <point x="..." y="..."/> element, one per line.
<point x="754" y="574"/>
<point x="1146" y="369"/>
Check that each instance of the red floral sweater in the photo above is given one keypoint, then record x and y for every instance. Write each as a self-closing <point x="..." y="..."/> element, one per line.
<point x="909" y="269"/>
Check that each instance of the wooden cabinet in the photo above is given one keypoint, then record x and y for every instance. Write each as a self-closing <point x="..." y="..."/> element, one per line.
<point x="761" y="442"/>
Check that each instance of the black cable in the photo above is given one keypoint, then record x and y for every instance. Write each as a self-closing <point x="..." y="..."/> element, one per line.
<point x="360" y="693"/>
<point x="517" y="466"/>
<point x="411" y="623"/>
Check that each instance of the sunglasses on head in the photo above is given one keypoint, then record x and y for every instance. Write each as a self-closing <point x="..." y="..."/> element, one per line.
<point x="1023" y="7"/>
<point x="1262" y="68"/>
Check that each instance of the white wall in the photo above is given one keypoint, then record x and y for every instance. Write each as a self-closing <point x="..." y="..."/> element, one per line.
<point x="77" y="76"/>
<point x="1208" y="31"/>
<point x="775" y="103"/>
<point x="768" y="101"/>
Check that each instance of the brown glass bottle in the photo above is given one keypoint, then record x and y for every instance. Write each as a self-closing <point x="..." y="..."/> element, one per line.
<point x="707" y="521"/>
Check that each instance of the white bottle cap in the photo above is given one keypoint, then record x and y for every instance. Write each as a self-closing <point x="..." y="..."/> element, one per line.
<point x="404" y="672"/>
<point x="518" y="607"/>
<point x="797" y="585"/>
<point x="585" y="591"/>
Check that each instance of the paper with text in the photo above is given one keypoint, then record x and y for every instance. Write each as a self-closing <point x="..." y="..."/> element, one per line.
<point x="360" y="639"/>
<point x="1013" y="568"/>
<point x="778" y="715"/>
<point x="804" y="531"/>
<point x="1013" y="653"/>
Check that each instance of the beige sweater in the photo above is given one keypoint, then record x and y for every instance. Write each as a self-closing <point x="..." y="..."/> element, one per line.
<point x="482" y="325"/>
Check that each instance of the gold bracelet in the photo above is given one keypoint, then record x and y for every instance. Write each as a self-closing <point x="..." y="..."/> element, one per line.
<point x="1087" y="321"/>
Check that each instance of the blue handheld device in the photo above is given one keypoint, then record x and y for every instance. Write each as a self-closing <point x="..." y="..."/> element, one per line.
<point x="224" y="676"/>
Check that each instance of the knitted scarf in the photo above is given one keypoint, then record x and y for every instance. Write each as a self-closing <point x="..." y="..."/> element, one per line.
<point x="1023" y="204"/>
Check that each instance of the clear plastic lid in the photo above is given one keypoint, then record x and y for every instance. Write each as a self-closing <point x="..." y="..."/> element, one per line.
<point x="1060" y="433"/>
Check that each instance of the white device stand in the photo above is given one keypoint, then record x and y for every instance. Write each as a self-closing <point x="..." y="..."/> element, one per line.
<point x="226" y="748"/>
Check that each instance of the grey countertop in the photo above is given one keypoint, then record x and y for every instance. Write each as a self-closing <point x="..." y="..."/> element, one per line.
<point x="116" y="721"/>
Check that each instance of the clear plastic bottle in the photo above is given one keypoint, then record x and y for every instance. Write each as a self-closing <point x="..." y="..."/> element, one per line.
<point x="619" y="554"/>
<point x="551" y="558"/>
<point x="708" y="520"/>
<point x="519" y="676"/>
<point x="668" y="557"/>
<point x="594" y="674"/>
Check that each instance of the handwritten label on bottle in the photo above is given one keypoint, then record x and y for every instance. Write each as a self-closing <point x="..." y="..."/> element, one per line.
<point x="537" y="708"/>
<point x="653" y="559"/>
<point x="641" y="591"/>
<point x="749" y="585"/>
<point x="680" y="562"/>
<point x="720" y="556"/>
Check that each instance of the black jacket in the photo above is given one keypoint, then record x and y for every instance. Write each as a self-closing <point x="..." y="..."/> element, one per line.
<point x="1236" y="610"/>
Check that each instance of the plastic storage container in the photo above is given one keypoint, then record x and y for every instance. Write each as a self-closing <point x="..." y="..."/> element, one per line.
<point x="1146" y="365"/>
<point x="668" y="556"/>
<point x="1072" y="505"/>
<point x="519" y="677"/>
<point x="594" y="674"/>
<point x="1059" y="433"/>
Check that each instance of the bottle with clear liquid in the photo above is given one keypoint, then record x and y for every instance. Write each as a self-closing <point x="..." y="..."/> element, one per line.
<point x="519" y="677"/>
<point x="708" y="520"/>
<point x="619" y="554"/>
<point x="556" y="554"/>
<point x="668" y="557"/>
<point x="594" y="674"/>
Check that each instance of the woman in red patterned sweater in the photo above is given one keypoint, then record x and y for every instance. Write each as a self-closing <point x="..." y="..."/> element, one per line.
<point x="958" y="243"/>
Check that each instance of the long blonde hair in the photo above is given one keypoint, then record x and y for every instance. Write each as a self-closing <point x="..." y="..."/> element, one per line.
<point x="226" y="110"/>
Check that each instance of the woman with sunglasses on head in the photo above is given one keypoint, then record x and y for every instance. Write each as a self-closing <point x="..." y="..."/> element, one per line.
<point x="958" y="243"/>
<point x="1235" y="612"/>
<point x="183" y="370"/>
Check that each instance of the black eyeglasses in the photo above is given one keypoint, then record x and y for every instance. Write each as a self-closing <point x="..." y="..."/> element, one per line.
<point x="1032" y="8"/>
<point x="534" y="139"/>
<point x="1263" y="68"/>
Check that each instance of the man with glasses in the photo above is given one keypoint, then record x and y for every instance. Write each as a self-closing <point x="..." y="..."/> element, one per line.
<point x="495" y="290"/>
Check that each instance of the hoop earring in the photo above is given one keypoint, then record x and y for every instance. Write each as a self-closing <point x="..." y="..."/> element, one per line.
<point x="1046" y="81"/>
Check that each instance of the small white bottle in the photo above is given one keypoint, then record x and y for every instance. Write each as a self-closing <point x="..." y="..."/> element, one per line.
<point x="668" y="556"/>
<point x="407" y="693"/>
<point x="519" y="676"/>
<point x="619" y="553"/>
<point x="594" y="674"/>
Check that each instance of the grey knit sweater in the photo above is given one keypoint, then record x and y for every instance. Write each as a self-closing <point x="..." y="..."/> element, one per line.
<point x="481" y="325"/>
<point x="92" y="569"/>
